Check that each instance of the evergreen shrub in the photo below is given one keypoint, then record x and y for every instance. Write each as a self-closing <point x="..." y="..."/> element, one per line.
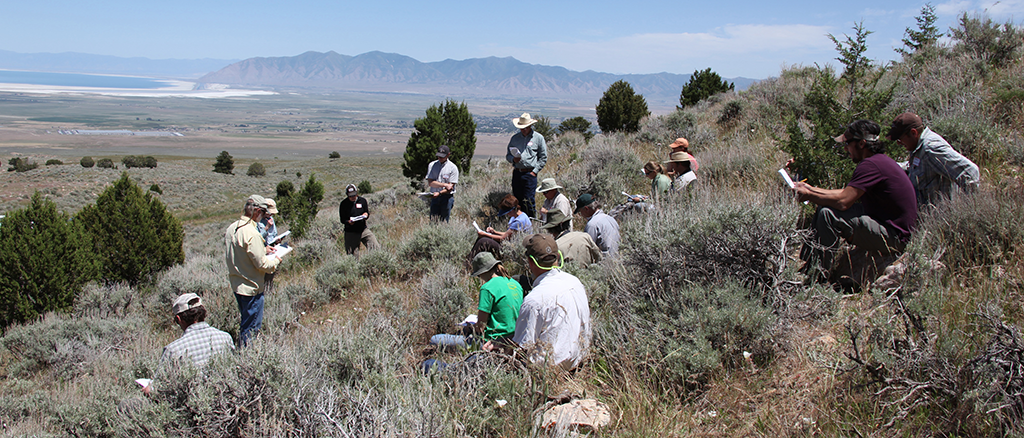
<point x="87" y="162"/>
<point x="105" y="163"/>
<point x="257" y="170"/>
<point x="45" y="259"/>
<point x="135" y="237"/>
<point x="54" y="162"/>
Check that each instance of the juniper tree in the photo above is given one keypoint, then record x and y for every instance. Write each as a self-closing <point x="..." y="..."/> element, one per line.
<point x="926" y="34"/>
<point x="702" y="85"/>
<point x="134" y="235"/>
<point x="45" y="258"/>
<point x="621" y="109"/>
<point x="577" y="124"/>
<point x="225" y="163"/>
<point x="305" y="204"/>
<point x="449" y="123"/>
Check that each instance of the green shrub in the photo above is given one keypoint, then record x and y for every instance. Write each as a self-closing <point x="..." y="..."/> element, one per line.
<point x="19" y="164"/>
<point x="87" y="162"/>
<point x="334" y="155"/>
<point x="308" y="253"/>
<point x="621" y="109"/>
<point x="45" y="258"/>
<point x="337" y="276"/>
<point x="449" y="123"/>
<point x="364" y="187"/>
<point x="130" y="161"/>
<point x="256" y="169"/>
<point x="105" y="163"/>
<point x="702" y="85"/>
<point x="731" y="112"/>
<point x="576" y="124"/>
<point x="54" y="162"/>
<point x="304" y="206"/>
<point x="285" y="190"/>
<point x="135" y="237"/>
<point x="155" y="188"/>
<point x="225" y="163"/>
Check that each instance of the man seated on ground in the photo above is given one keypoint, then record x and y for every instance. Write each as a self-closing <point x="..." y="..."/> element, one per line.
<point x="933" y="166"/>
<point x="600" y="226"/>
<point x="575" y="245"/>
<point x="883" y="219"/>
<point x="553" y="200"/>
<point x="199" y="342"/>
<point x="554" y="321"/>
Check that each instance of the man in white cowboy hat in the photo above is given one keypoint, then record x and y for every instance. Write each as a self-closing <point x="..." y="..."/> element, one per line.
<point x="528" y="154"/>
<point x="553" y="200"/>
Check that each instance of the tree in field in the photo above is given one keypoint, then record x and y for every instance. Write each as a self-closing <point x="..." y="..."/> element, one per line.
<point x="926" y="34"/>
<point x="620" y="109"/>
<point x="225" y="163"/>
<point x="285" y="191"/>
<point x="45" y="258"/>
<point x="578" y="124"/>
<point x="257" y="170"/>
<point x="305" y="204"/>
<point x="703" y="84"/>
<point x="449" y="123"/>
<point x="543" y="127"/>
<point x="134" y="235"/>
<point x="87" y="162"/>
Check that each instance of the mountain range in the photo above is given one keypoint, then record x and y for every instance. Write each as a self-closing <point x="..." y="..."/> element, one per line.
<point x="371" y="71"/>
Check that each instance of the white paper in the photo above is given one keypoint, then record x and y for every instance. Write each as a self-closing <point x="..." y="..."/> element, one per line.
<point x="144" y="382"/>
<point x="425" y="195"/>
<point x="476" y="226"/>
<point x="358" y="218"/>
<point x="281" y="251"/>
<point x="786" y="178"/>
<point x="514" y="151"/>
<point x="471" y="319"/>
<point x="280" y="236"/>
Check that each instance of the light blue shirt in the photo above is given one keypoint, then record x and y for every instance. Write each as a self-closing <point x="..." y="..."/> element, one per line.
<point x="605" y="232"/>
<point x="934" y="167"/>
<point x="533" y="152"/>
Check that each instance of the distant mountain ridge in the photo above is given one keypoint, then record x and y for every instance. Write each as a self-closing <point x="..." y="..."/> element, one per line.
<point x="391" y="72"/>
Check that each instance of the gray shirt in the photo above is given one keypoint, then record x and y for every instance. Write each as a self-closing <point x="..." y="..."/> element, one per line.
<point x="935" y="167"/>
<point x="605" y="232"/>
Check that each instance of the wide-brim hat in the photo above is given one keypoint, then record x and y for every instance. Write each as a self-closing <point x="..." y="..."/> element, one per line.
<point x="258" y="201"/>
<point x="554" y="219"/>
<point x="548" y="184"/>
<point x="271" y="206"/>
<point x="523" y="121"/>
<point x="679" y="157"/>
<point x="483" y="262"/>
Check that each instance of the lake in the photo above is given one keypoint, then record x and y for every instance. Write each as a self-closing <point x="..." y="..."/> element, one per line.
<point x="79" y="80"/>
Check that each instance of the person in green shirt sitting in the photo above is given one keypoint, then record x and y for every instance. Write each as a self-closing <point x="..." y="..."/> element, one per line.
<point x="500" y="300"/>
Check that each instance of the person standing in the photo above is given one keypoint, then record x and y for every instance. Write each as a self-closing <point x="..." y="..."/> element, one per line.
<point x="528" y="154"/>
<point x="248" y="263"/>
<point x="442" y="175"/>
<point x="553" y="200"/>
<point x="554" y="320"/>
<point x="354" y="211"/>
<point x="885" y="215"/>
<point x="933" y="166"/>
<point x="600" y="226"/>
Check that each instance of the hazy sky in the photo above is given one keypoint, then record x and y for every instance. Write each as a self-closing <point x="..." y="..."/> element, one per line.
<point x="735" y="38"/>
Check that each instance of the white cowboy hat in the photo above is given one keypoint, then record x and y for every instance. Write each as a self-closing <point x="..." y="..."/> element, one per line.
<point x="523" y="121"/>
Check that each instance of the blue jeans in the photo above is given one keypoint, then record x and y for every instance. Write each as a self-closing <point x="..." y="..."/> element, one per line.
<point x="524" y="188"/>
<point x="251" y="309"/>
<point x="441" y="207"/>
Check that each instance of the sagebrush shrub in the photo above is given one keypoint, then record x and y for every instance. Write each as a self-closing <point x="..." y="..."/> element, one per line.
<point x="974" y="230"/>
<point x="444" y="300"/>
<point x="378" y="264"/>
<point x="134" y="234"/>
<point x="437" y="242"/>
<point x="256" y="169"/>
<point x="336" y="277"/>
<point x="45" y="258"/>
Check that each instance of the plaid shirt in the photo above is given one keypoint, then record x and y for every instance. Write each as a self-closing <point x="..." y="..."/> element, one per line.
<point x="199" y="343"/>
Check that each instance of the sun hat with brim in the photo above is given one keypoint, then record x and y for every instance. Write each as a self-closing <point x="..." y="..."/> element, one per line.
<point x="483" y="262"/>
<point x="583" y="201"/>
<point x="679" y="157"/>
<point x="548" y="184"/>
<point x="523" y="121"/>
<point x="181" y="304"/>
<point x="555" y="218"/>
<point x="271" y="206"/>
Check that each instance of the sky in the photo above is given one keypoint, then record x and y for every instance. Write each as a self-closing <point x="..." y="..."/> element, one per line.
<point x="753" y="39"/>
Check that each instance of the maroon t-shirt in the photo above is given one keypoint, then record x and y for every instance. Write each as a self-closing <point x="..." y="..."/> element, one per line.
<point x="888" y="194"/>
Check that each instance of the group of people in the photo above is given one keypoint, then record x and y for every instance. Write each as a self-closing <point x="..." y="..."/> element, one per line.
<point x="877" y="210"/>
<point x="549" y="319"/>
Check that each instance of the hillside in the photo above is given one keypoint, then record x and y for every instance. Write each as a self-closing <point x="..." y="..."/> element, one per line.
<point x="704" y="326"/>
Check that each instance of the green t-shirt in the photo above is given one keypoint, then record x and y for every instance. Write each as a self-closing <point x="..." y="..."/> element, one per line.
<point x="660" y="185"/>
<point x="501" y="297"/>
